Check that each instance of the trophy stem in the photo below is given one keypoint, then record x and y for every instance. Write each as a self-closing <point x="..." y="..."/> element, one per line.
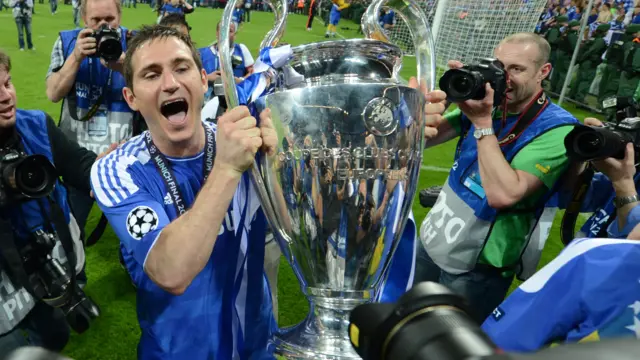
<point x="324" y="334"/>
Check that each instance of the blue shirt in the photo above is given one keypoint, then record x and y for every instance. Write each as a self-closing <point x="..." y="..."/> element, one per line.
<point x="168" y="9"/>
<point x="226" y="309"/>
<point x="590" y="291"/>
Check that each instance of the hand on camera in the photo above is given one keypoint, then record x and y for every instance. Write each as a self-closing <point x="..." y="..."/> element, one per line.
<point x="85" y="45"/>
<point x="593" y="122"/>
<point x="436" y="104"/>
<point x="478" y="111"/>
<point x="618" y="171"/>
<point x="238" y="140"/>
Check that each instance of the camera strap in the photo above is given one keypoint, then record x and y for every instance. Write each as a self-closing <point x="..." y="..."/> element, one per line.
<point x="532" y="111"/>
<point x="12" y="260"/>
<point x="73" y="105"/>
<point x="167" y="173"/>
<point x="570" y="217"/>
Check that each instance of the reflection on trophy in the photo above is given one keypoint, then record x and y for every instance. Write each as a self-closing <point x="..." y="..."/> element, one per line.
<point x="339" y="189"/>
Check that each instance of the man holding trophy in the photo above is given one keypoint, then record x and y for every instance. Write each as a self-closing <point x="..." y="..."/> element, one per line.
<point x="192" y="224"/>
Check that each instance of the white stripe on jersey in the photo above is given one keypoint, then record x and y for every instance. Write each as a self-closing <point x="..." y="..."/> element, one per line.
<point x="576" y="248"/>
<point x="109" y="176"/>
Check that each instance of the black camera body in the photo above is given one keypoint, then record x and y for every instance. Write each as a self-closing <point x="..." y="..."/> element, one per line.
<point x="48" y="278"/>
<point x="108" y="45"/>
<point x="430" y="322"/>
<point x="24" y="177"/>
<point x="587" y="143"/>
<point x="468" y="82"/>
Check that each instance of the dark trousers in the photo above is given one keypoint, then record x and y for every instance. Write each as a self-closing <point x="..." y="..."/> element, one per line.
<point x="247" y="14"/>
<point x="310" y="20"/>
<point x="483" y="288"/>
<point x="24" y="25"/>
<point x="44" y="326"/>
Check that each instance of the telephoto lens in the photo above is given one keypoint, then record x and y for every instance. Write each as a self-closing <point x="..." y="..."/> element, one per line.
<point x="586" y="143"/>
<point x="30" y="177"/>
<point x="429" y="322"/>
<point x="108" y="43"/>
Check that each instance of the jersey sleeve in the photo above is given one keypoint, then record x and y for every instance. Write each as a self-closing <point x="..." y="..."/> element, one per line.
<point x="555" y="291"/>
<point x="135" y="216"/>
<point x="246" y="55"/>
<point x="545" y="157"/>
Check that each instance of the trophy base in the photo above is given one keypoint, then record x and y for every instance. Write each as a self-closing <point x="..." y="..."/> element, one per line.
<point x="324" y="334"/>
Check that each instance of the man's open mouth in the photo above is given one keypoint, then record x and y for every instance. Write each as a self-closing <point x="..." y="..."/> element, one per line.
<point x="175" y="110"/>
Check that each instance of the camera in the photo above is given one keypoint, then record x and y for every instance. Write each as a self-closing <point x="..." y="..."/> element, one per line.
<point x="430" y="322"/>
<point x="586" y="143"/>
<point x="469" y="81"/>
<point x="108" y="44"/>
<point x="429" y="196"/>
<point x="49" y="278"/>
<point x="24" y="177"/>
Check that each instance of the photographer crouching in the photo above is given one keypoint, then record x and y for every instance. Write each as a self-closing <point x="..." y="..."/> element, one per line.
<point x="509" y="157"/>
<point x="607" y="186"/>
<point x="40" y="245"/>
<point x="86" y="73"/>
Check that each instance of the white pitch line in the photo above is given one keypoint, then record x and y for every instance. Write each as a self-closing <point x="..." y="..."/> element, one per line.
<point x="434" y="168"/>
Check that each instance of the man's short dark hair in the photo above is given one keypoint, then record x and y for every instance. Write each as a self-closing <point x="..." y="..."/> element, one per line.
<point x="5" y="61"/>
<point x="148" y="34"/>
<point x="173" y="19"/>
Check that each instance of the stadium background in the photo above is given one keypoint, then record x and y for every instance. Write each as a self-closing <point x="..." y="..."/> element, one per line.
<point x="115" y="334"/>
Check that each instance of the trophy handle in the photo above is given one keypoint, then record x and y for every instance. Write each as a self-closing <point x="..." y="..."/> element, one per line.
<point x="231" y="91"/>
<point x="420" y="31"/>
<point x="272" y="38"/>
<point x="280" y="10"/>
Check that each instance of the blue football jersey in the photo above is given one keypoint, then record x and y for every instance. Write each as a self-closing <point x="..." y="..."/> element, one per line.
<point x="590" y="291"/>
<point x="226" y="311"/>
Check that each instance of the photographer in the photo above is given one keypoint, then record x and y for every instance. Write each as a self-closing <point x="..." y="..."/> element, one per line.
<point x="612" y="196"/>
<point x="86" y="73"/>
<point x="588" y="293"/>
<point x="242" y="60"/>
<point x="31" y="206"/>
<point x="22" y="15"/>
<point x="502" y="176"/>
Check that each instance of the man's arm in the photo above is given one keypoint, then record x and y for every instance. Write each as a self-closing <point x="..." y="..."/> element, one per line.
<point x="60" y="80"/>
<point x="448" y="129"/>
<point x="72" y="161"/>
<point x="172" y="263"/>
<point x="539" y="163"/>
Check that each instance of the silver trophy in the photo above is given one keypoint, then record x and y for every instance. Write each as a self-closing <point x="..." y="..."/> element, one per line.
<point x="339" y="189"/>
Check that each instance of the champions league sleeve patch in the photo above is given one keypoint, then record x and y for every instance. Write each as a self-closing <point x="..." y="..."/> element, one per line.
<point x="141" y="221"/>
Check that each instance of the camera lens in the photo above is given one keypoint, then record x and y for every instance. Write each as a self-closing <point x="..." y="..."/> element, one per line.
<point x="459" y="84"/>
<point x="110" y="48"/>
<point x="586" y="143"/>
<point x="34" y="176"/>
<point x="428" y="322"/>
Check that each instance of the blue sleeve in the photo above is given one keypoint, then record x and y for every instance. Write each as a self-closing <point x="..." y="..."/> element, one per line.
<point x="518" y="325"/>
<point x="135" y="216"/>
<point x="633" y="219"/>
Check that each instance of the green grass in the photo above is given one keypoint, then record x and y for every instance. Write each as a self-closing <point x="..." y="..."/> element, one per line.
<point x="115" y="334"/>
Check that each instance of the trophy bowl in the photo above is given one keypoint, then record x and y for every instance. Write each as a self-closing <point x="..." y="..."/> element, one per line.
<point x="338" y="192"/>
